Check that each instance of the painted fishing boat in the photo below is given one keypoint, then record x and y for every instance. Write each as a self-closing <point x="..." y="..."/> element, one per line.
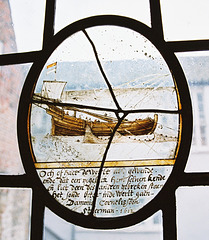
<point x="64" y="124"/>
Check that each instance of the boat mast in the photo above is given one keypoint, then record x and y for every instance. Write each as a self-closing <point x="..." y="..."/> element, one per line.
<point x="52" y="68"/>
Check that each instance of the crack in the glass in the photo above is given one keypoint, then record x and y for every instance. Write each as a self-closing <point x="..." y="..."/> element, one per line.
<point x="120" y="119"/>
<point x="41" y="100"/>
<point x="103" y="162"/>
<point x="102" y="71"/>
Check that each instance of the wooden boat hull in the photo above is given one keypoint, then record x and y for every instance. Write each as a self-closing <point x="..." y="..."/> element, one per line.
<point x="65" y="125"/>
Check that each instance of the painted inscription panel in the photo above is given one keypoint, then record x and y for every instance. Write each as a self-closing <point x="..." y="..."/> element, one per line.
<point x="122" y="191"/>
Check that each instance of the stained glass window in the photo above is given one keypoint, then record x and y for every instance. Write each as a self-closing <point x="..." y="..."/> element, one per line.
<point x="105" y="119"/>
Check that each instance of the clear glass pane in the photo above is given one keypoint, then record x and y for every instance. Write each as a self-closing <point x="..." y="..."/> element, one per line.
<point x="195" y="66"/>
<point x="7" y="38"/>
<point x="21" y="25"/>
<point x="185" y="20"/>
<point x="15" y="209"/>
<point x="11" y="80"/>
<point x="57" y="228"/>
<point x="192" y="212"/>
<point x="70" y="11"/>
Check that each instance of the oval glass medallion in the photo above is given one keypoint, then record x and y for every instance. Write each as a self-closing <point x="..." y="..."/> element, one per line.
<point x="105" y="122"/>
